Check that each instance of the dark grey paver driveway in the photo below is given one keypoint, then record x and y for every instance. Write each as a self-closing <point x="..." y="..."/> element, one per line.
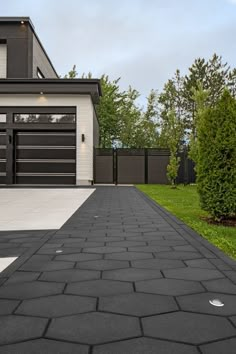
<point x="122" y="276"/>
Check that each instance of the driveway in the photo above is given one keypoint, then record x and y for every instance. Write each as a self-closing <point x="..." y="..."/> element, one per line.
<point x="121" y="276"/>
<point x="39" y="209"/>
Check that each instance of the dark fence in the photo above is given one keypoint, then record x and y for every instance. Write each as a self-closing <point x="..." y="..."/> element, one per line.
<point x="139" y="166"/>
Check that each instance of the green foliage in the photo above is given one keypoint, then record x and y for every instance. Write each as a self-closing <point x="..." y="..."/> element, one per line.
<point x="72" y="74"/>
<point x="174" y="132"/>
<point x="216" y="167"/>
<point x="184" y="203"/>
<point x="172" y="168"/>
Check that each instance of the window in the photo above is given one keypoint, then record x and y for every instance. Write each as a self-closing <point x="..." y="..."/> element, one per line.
<point x="3" y="118"/>
<point x="40" y="74"/>
<point x="3" y="60"/>
<point x="44" y="118"/>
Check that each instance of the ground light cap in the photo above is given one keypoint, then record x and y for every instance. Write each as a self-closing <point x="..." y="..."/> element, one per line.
<point x="216" y="302"/>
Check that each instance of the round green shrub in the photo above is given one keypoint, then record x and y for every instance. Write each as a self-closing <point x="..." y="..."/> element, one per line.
<point x="216" y="167"/>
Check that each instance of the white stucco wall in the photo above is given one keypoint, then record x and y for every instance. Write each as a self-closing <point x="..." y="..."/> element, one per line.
<point x="84" y="125"/>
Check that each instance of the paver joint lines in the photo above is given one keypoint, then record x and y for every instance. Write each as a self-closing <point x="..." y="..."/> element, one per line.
<point x="129" y="261"/>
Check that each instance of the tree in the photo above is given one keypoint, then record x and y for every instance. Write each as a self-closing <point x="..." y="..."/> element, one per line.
<point x="72" y="74"/>
<point x="216" y="168"/>
<point x="200" y="97"/>
<point x="175" y="132"/>
<point x="171" y="99"/>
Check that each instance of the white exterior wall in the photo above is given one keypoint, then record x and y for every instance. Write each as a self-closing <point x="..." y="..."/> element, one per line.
<point x="84" y="125"/>
<point x="3" y="61"/>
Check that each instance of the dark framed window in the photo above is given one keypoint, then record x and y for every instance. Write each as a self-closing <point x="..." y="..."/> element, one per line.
<point x="40" y="74"/>
<point x="67" y="118"/>
<point x="3" y="118"/>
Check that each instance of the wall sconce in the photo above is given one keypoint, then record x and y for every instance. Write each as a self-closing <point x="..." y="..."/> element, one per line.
<point x="83" y="138"/>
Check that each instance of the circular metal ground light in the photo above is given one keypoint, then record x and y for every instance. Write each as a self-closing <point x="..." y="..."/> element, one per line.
<point x="216" y="302"/>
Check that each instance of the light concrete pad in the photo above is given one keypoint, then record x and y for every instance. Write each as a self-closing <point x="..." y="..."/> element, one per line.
<point x="39" y="209"/>
<point x="5" y="262"/>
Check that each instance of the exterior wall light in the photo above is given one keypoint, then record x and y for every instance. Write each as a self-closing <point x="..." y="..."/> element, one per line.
<point x="41" y="93"/>
<point x="22" y="22"/>
<point x="83" y="138"/>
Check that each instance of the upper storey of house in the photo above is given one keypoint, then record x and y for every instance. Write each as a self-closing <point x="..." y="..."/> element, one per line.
<point x="21" y="52"/>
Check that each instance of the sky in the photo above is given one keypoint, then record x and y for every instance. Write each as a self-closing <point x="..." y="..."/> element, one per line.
<point x="141" y="41"/>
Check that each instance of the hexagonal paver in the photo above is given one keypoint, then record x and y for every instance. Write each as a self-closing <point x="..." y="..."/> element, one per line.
<point x="132" y="274"/>
<point x="85" y="244"/>
<point x="169" y="287"/>
<point x="46" y="266"/>
<point x="221" y="286"/>
<point x="152" y="248"/>
<point x="200" y="263"/>
<point x="231" y="274"/>
<point x="70" y="275"/>
<point x="102" y="264"/>
<point x="179" y="255"/>
<point x="126" y="243"/>
<point x="8" y="306"/>
<point x="158" y="264"/>
<point x="193" y="274"/>
<point x="225" y="346"/>
<point x="19" y="328"/>
<point x="40" y="346"/>
<point x="30" y="290"/>
<point x="104" y="249"/>
<point x="187" y="248"/>
<point x="137" y="304"/>
<point x="163" y="242"/>
<point x="188" y="327"/>
<point x="129" y="256"/>
<point x="78" y="257"/>
<point x="99" y="288"/>
<point x="200" y="303"/>
<point x="56" y="306"/>
<point x="144" y="346"/>
<point x="94" y="328"/>
<point x="64" y="250"/>
<point x="233" y="319"/>
<point x="21" y="277"/>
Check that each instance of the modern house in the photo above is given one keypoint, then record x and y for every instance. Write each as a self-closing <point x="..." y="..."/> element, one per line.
<point x="48" y="125"/>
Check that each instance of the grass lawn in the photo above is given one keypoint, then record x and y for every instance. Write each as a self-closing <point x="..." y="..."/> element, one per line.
<point x="183" y="202"/>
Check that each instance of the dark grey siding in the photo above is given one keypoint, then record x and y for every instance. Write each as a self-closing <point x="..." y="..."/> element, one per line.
<point x="41" y="61"/>
<point x="19" y="58"/>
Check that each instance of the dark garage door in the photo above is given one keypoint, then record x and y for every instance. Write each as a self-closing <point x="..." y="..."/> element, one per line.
<point x="45" y="157"/>
<point x="2" y="157"/>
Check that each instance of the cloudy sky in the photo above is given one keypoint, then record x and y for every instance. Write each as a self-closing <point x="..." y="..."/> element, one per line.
<point x="141" y="41"/>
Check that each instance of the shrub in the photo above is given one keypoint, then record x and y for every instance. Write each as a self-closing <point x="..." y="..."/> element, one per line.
<point x="216" y="167"/>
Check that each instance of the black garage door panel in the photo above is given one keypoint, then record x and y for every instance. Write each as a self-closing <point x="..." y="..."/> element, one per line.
<point x="50" y="167"/>
<point x="2" y="157"/>
<point x="46" y="139"/>
<point x="45" y="179"/>
<point x="45" y="157"/>
<point x="42" y="153"/>
<point x="2" y="153"/>
<point x="2" y="166"/>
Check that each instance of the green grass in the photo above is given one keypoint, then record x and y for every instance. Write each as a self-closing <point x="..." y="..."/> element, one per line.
<point x="183" y="202"/>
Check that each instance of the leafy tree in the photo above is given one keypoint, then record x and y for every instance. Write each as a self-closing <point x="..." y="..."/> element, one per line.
<point x="175" y="132"/>
<point x="216" y="168"/>
<point x="109" y="111"/>
<point x="72" y="74"/>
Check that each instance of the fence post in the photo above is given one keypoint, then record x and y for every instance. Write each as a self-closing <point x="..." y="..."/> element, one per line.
<point x="146" y="166"/>
<point x="114" y="155"/>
